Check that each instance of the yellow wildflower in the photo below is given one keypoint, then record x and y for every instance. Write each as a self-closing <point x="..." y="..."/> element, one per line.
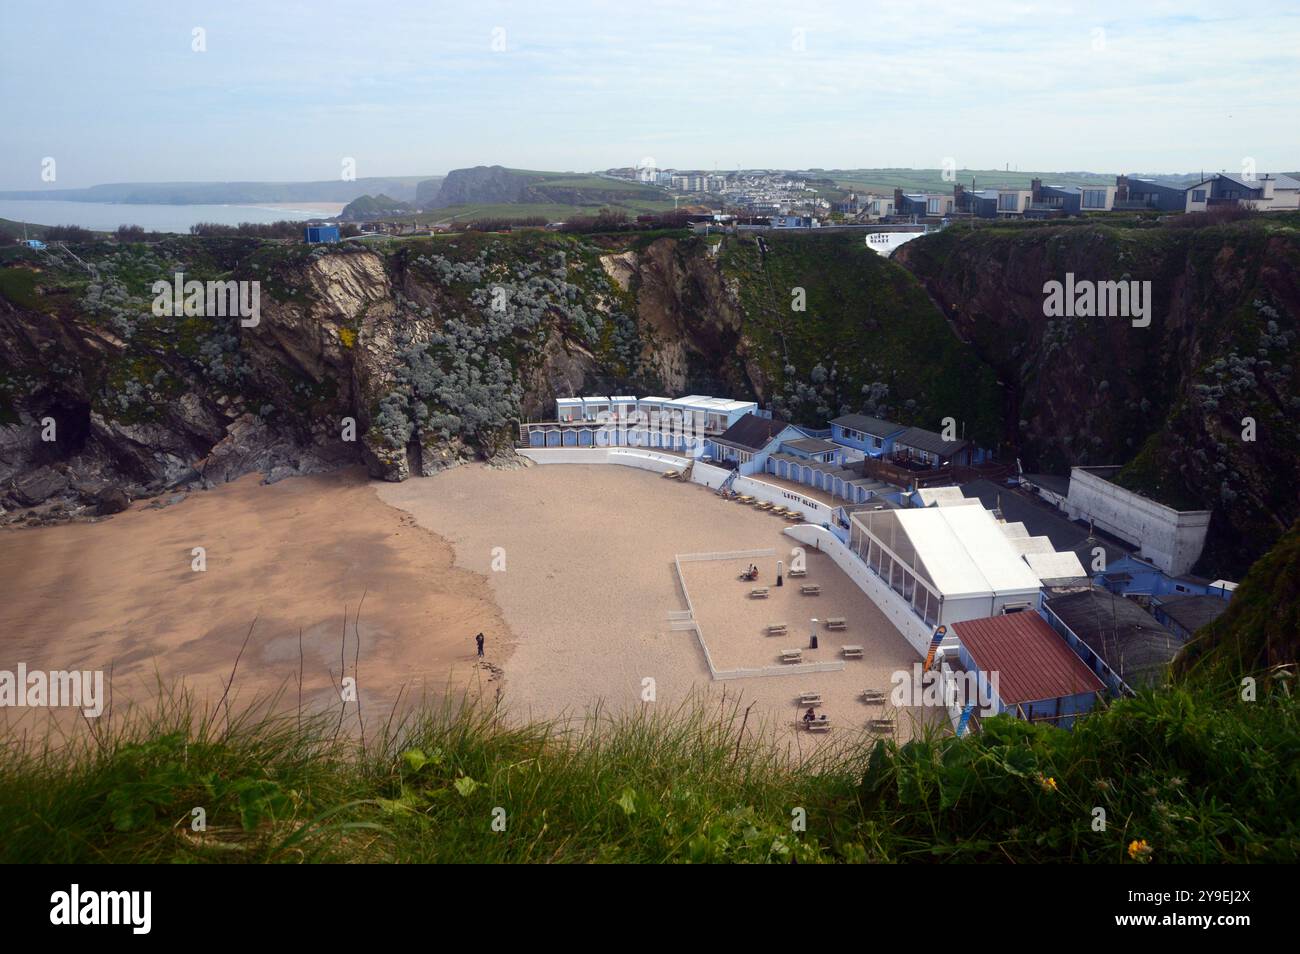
<point x="1139" y="850"/>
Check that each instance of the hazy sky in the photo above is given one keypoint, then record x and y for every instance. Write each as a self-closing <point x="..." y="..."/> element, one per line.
<point x="115" y="92"/>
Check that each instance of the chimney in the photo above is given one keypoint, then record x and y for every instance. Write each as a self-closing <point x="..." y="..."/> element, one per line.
<point x="898" y="199"/>
<point x="1121" y="188"/>
<point x="959" y="197"/>
<point x="1036" y="189"/>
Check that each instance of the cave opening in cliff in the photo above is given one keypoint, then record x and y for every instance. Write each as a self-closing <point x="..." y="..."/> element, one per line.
<point x="71" y="429"/>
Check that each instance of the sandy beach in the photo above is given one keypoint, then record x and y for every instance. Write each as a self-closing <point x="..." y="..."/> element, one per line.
<point x="568" y="570"/>
<point x="121" y="595"/>
<point x="585" y="577"/>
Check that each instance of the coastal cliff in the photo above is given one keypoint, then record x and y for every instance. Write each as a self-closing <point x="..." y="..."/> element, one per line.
<point x="416" y="355"/>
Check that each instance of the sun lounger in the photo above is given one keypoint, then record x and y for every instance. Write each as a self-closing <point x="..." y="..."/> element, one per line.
<point x="836" y="622"/>
<point x="759" y="592"/>
<point x="745" y="499"/>
<point x="672" y="473"/>
<point x="780" y="511"/>
<point x="811" y="589"/>
<point x="810" y="698"/>
<point x="873" y="697"/>
<point x="851" y="652"/>
<point x="881" y="725"/>
<point x="776" y="629"/>
<point x="793" y="515"/>
<point x="763" y="506"/>
<point x="794" y="573"/>
<point x="791" y="655"/>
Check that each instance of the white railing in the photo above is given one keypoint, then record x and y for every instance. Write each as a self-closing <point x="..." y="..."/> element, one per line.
<point x="725" y="555"/>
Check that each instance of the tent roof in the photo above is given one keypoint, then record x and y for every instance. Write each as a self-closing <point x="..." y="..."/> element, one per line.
<point x="964" y="551"/>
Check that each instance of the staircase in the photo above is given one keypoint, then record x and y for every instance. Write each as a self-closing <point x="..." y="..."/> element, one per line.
<point x="726" y="484"/>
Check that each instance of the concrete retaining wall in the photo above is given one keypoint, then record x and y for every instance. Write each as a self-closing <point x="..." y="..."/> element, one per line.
<point x="1171" y="539"/>
<point x="656" y="461"/>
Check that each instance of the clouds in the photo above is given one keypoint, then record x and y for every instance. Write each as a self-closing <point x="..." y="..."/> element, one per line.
<point x="283" y="91"/>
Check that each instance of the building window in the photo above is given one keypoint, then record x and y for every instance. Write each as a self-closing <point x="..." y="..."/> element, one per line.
<point x="1198" y="195"/>
<point x="1094" y="198"/>
<point x="932" y="206"/>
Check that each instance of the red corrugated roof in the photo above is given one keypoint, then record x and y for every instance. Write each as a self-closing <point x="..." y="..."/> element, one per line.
<point x="1032" y="661"/>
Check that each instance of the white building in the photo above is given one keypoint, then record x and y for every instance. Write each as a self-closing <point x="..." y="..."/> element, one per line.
<point x="949" y="562"/>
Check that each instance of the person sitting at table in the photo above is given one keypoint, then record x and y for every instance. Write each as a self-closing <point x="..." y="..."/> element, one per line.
<point x="810" y="715"/>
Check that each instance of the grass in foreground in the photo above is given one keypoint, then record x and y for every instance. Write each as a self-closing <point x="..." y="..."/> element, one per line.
<point x="1183" y="774"/>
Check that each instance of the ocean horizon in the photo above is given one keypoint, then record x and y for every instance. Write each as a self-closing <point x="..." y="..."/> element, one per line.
<point x="107" y="216"/>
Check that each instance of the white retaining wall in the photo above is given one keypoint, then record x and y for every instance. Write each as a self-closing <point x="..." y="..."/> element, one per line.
<point x="706" y="475"/>
<point x="631" y="457"/>
<point x="896" y="609"/>
<point x="1171" y="539"/>
<point x="712" y="477"/>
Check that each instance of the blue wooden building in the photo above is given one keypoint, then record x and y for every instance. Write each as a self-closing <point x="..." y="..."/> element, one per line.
<point x="871" y="435"/>
<point x="315" y="234"/>
<point x="1039" y="678"/>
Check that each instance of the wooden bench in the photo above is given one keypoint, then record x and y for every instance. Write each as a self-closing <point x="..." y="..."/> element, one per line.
<point x="836" y="622"/>
<point x="759" y="592"/>
<point x="810" y="698"/>
<point x="851" y="652"/>
<point x="873" y="697"/>
<point x="881" y="725"/>
<point x="811" y="589"/>
<point x="818" y="725"/>
<point x="791" y="655"/>
<point x="794" y="573"/>
<point x="776" y="629"/>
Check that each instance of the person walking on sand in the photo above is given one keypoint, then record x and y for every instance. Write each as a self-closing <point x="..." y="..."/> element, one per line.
<point x="479" y="639"/>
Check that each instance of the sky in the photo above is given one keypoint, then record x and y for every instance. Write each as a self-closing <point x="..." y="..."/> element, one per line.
<point x="287" y="91"/>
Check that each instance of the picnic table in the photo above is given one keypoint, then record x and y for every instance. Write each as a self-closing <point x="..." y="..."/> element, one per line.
<point x="776" y="629"/>
<point x="851" y="652"/>
<point x="791" y="655"/>
<point x="836" y="622"/>
<point x="811" y="589"/>
<point x="873" y="697"/>
<point x="759" y="593"/>
<point x="810" y="698"/>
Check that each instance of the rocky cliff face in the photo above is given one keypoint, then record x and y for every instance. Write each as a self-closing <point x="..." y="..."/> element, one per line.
<point x="1201" y="405"/>
<point x="493" y="185"/>
<point x="415" y="355"/>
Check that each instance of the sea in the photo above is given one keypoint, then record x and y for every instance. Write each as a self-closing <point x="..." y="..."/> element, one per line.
<point x="107" y="216"/>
